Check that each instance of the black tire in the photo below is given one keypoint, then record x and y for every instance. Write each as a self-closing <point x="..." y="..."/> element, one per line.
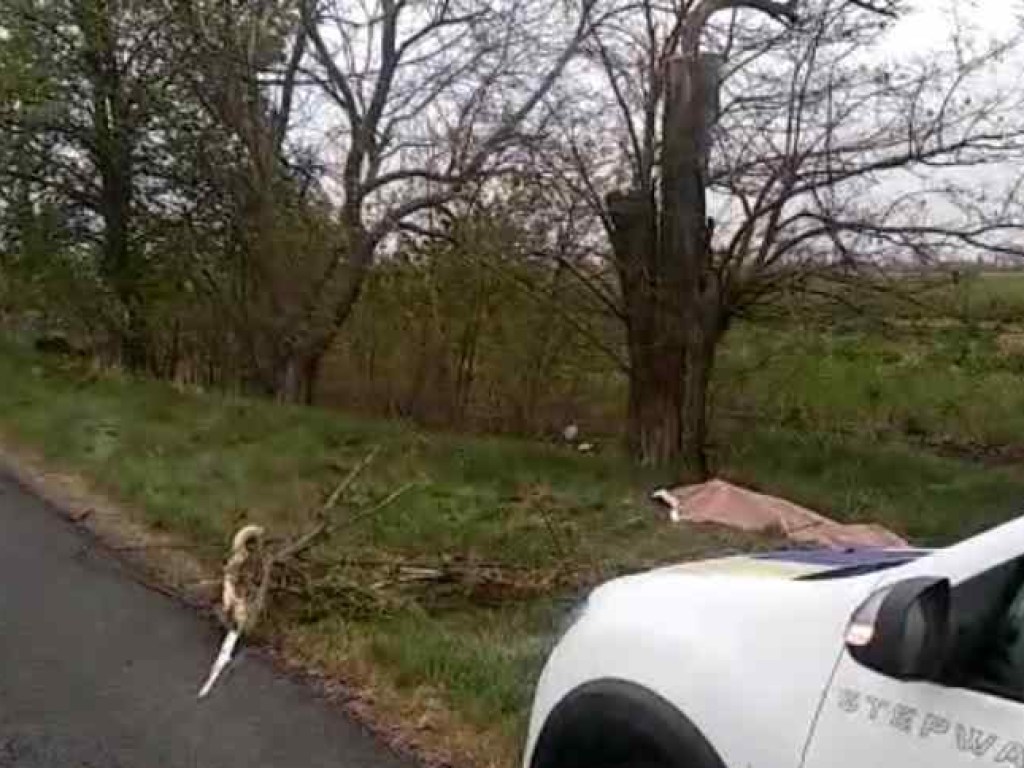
<point x="615" y="724"/>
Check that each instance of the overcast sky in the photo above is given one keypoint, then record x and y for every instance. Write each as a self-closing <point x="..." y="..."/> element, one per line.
<point x="930" y="24"/>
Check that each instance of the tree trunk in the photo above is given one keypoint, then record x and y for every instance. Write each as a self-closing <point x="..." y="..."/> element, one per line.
<point x="118" y="263"/>
<point x="700" y="361"/>
<point x="296" y="378"/>
<point x="663" y="258"/>
<point x="655" y="429"/>
<point x="135" y="351"/>
<point x="311" y="375"/>
<point x="687" y="327"/>
<point x="654" y="328"/>
<point x="112" y="153"/>
<point x="287" y="386"/>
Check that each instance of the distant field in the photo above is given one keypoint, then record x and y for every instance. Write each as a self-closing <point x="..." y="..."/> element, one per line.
<point x="939" y="365"/>
<point x="996" y="295"/>
<point x="971" y="295"/>
<point x="955" y="385"/>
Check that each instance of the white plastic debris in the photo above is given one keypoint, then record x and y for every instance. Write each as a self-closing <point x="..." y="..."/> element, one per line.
<point x="222" y="660"/>
<point x="670" y="501"/>
<point x="239" y="596"/>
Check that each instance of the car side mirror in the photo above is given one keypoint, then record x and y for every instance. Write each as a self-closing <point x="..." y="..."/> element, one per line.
<point x="903" y="630"/>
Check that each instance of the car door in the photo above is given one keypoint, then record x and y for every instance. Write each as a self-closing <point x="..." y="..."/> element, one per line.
<point x="972" y="716"/>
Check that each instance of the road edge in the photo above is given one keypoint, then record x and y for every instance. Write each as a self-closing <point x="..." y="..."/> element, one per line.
<point x="160" y="561"/>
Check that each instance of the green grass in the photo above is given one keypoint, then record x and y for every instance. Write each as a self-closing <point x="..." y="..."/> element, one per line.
<point x="199" y="465"/>
<point x="932" y="500"/>
<point x="977" y="295"/>
<point x="991" y="295"/>
<point x="480" y="658"/>
<point x="961" y="383"/>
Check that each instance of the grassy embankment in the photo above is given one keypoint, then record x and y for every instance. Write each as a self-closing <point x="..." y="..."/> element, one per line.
<point x="849" y="422"/>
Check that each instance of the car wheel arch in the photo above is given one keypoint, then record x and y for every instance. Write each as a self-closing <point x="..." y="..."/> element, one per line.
<point x="613" y="722"/>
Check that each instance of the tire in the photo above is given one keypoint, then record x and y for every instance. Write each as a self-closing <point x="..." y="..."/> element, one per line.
<point x="615" y="724"/>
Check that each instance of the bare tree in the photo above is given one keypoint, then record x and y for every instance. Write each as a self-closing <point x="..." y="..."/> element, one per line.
<point x="421" y="100"/>
<point x="245" y="73"/>
<point x="816" y="157"/>
<point x="211" y="112"/>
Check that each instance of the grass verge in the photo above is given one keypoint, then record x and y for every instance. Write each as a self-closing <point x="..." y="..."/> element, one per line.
<point x="454" y="662"/>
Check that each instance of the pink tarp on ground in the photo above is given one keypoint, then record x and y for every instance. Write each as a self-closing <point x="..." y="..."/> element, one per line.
<point x="721" y="503"/>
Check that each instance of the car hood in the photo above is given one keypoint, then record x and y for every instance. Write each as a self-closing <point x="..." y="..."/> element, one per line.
<point x="768" y="624"/>
<point x="800" y="564"/>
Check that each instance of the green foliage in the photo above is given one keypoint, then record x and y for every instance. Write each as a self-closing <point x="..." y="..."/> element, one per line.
<point x="467" y="336"/>
<point x="890" y="373"/>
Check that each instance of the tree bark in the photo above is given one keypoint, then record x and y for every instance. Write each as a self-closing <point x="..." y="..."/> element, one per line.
<point x="685" y="245"/>
<point x="311" y="374"/>
<point x="113" y="154"/>
<point x="662" y="258"/>
<point x="654" y="329"/>
<point x="702" y="347"/>
<point x="296" y="378"/>
<point x="118" y="256"/>
<point x="655" y="428"/>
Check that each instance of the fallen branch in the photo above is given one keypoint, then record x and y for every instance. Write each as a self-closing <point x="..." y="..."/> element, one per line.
<point x="241" y="613"/>
<point x="488" y="584"/>
<point x="376" y="509"/>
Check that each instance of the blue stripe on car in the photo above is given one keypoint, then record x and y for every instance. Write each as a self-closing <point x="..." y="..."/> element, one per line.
<point x="842" y="558"/>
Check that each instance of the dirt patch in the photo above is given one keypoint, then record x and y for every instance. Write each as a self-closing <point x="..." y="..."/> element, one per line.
<point x="1011" y="343"/>
<point x="979" y="453"/>
<point x="417" y="725"/>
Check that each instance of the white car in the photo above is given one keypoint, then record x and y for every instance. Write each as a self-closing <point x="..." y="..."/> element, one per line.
<point x="800" y="659"/>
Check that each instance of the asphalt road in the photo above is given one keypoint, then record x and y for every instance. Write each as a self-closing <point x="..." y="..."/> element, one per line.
<point x="97" y="671"/>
